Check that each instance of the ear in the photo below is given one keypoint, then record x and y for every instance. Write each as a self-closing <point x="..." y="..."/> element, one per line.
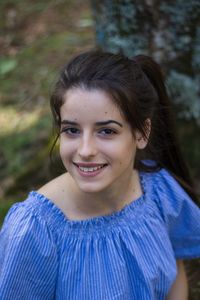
<point x="141" y="140"/>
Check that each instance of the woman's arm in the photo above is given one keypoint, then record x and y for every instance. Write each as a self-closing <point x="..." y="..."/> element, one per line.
<point x="179" y="290"/>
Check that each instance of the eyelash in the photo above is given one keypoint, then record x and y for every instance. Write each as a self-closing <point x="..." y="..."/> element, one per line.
<point x="69" y="131"/>
<point x="111" y="131"/>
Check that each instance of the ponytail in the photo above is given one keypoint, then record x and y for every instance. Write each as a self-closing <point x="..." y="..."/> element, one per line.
<point x="163" y="143"/>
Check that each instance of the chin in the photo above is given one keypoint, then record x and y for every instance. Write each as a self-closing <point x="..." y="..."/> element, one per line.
<point x="90" y="188"/>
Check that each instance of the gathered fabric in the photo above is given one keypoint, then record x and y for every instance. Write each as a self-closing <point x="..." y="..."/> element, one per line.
<point x="129" y="254"/>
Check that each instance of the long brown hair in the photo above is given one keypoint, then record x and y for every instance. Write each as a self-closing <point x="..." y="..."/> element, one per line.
<point x="137" y="87"/>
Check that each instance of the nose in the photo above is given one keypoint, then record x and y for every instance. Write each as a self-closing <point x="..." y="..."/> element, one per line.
<point x="87" y="147"/>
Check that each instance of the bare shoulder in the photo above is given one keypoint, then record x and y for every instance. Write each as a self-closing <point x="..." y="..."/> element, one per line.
<point x="60" y="191"/>
<point x="57" y="189"/>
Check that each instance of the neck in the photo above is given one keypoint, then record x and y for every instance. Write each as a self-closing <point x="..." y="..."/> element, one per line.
<point x="87" y="205"/>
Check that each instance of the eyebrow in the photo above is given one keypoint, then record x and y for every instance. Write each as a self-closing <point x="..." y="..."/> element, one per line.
<point x="101" y="123"/>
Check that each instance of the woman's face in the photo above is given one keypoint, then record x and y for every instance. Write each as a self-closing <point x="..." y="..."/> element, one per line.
<point x="97" y="146"/>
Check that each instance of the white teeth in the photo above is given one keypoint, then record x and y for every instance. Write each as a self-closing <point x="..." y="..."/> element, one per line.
<point x="88" y="169"/>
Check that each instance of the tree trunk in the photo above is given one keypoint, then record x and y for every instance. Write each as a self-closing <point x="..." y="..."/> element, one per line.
<point x="169" y="31"/>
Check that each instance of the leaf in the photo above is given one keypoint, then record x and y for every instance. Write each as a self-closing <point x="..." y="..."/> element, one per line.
<point x="7" y="65"/>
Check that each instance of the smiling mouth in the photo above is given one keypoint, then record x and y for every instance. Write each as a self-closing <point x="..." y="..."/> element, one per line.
<point x="88" y="168"/>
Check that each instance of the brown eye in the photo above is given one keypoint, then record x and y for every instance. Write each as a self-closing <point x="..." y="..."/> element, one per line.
<point x="107" y="131"/>
<point x="70" y="131"/>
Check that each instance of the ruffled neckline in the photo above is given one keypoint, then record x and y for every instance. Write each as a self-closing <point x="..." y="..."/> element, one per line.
<point x="115" y="218"/>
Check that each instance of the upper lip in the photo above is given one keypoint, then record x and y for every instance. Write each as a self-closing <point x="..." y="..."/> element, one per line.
<point x="89" y="165"/>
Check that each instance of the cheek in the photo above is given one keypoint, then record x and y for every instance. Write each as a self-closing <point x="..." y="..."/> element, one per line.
<point x="124" y="149"/>
<point x="61" y="147"/>
<point x="121" y="154"/>
<point x="61" y="151"/>
<point x="64" y="149"/>
<point x="67" y="149"/>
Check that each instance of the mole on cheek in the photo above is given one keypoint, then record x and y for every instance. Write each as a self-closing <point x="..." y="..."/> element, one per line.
<point x="106" y="112"/>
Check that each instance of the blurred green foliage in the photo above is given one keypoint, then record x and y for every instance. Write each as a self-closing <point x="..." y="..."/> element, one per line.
<point x="7" y="65"/>
<point x="37" y="38"/>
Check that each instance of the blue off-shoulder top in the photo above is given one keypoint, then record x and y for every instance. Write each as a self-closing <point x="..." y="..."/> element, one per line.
<point x="128" y="255"/>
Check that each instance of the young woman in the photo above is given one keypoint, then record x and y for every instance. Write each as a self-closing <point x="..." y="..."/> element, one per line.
<point x="118" y="223"/>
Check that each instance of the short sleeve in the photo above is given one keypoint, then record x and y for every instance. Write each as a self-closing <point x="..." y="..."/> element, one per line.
<point x="28" y="257"/>
<point x="181" y="216"/>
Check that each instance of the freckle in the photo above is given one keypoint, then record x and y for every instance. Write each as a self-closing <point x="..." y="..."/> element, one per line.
<point x="106" y="112"/>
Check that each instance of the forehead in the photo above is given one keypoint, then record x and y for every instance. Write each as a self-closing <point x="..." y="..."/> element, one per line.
<point x="93" y="102"/>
